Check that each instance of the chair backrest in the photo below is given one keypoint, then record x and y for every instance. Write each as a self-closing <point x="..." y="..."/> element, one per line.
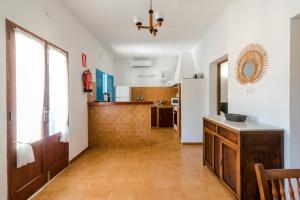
<point x="276" y="178"/>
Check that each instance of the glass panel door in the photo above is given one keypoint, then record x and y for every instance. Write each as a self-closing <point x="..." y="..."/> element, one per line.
<point x="26" y="92"/>
<point x="58" y="92"/>
<point x="37" y="82"/>
<point x="30" y="85"/>
<point x="58" y="131"/>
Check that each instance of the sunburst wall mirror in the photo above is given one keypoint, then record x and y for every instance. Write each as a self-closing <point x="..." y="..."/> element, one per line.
<point x="251" y="64"/>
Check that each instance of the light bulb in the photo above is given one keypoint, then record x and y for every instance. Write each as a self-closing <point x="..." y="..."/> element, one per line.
<point x="158" y="15"/>
<point x="136" y="20"/>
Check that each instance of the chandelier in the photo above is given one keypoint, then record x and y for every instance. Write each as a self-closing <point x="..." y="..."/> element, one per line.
<point x="153" y="27"/>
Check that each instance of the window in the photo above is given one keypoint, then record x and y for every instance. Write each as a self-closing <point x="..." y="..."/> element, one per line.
<point x="30" y="85"/>
<point x="58" y="92"/>
<point x="105" y="84"/>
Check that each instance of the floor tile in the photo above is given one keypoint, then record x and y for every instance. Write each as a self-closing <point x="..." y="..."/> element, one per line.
<point x="164" y="171"/>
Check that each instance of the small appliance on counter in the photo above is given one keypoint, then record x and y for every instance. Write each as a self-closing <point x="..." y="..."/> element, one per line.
<point x="106" y="97"/>
<point x="174" y="101"/>
<point x="140" y="98"/>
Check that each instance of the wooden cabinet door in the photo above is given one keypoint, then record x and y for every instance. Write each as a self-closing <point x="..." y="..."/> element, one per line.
<point x="208" y="149"/>
<point x="229" y="167"/>
<point x="165" y="117"/>
<point x="217" y="155"/>
<point x="154" y="117"/>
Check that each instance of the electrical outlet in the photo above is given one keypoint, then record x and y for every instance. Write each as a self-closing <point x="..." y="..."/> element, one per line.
<point x="250" y="90"/>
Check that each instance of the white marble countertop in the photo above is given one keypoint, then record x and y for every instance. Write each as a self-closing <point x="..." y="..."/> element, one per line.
<point x="242" y="126"/>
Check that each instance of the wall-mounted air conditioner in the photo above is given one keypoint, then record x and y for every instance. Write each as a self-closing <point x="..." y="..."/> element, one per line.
<point x="141" y="63"/>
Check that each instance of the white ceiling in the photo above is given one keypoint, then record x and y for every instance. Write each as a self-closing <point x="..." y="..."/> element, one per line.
<point x="111" y="21"/>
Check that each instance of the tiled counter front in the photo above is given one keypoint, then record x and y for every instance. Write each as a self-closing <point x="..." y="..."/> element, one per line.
<point x="120" y="125"/>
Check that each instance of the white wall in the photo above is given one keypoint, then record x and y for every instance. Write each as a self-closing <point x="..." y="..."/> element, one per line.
<point x="295" y="91"/>
<point x="66" y="32"/>
<point x="126" y="75"/>
<point x="193" y="109"/>
<point x="262" y="21"/>
<point x="185" y="67"/>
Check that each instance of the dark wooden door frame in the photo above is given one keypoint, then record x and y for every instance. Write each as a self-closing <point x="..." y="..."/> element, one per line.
<point x="10" y="70"/>
<point x="219" y="85"/>
<point x="38" y="179"/>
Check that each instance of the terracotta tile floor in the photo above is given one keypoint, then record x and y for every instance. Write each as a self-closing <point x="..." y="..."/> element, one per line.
<point x="164" y="171"/>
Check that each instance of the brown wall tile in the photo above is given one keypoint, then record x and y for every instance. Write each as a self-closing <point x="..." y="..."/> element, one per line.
<point x="120" y="125"/>
<point x="154" y="93"/>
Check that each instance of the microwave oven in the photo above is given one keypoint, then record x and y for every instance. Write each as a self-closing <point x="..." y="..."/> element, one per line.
<point x="174" y="101"/>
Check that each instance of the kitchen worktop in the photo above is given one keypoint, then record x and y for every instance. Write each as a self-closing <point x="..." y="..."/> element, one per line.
<point x="162" y="106"/>
<point x="242" y="126"/>
<point x="97" y="103"/>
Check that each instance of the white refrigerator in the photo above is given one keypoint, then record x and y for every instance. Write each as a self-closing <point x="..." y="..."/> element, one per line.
<point x="122" y="94"/>
<point x="194" y="106"/>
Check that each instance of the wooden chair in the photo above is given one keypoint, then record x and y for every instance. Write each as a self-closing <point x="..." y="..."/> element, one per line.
<point x="276" y="179"/>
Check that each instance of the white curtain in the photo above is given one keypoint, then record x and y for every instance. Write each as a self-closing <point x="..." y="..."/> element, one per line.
<point x="30" y="83"/>
<point x="58" y="94"/>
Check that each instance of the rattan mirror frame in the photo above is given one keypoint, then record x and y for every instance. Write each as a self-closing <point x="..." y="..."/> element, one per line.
<point x="258" y="55"/>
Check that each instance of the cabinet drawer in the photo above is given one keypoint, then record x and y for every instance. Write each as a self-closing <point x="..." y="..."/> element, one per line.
<point x="228" y="134"/>
<point x="210" y="126"/>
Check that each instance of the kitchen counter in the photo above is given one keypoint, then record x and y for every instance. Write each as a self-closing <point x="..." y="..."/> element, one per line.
<point x="119" y="123"/>
<point x="162" y="106"/>
<point x="242" y="126"/>
<point x="97" y="103"/>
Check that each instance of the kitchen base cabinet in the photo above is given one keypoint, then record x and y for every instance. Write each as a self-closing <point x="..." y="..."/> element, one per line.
<point x="161" y="116"/>
<point x="230" y="150"/>
<point x="153" y="116"/>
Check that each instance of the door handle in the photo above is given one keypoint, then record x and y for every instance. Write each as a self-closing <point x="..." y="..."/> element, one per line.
<point x="9" y="116"/>
<point x="45" y="114"/>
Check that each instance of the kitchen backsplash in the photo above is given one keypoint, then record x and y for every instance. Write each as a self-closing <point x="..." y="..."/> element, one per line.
<point x="154" y="93"/>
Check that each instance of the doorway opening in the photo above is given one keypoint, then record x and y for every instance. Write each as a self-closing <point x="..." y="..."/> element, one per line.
<point x="218" y="86"/>
<point x="222" y="87"/>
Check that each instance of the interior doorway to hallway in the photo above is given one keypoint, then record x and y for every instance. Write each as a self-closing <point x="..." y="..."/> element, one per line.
<point x="218" y="86"/>
<point x="222" y="87"/>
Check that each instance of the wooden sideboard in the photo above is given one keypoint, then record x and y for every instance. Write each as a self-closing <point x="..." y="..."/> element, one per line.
<point x="230" y="150"/>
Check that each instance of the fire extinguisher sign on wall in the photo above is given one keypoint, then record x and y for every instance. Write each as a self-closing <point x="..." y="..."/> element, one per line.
<point x="83" y="59"/>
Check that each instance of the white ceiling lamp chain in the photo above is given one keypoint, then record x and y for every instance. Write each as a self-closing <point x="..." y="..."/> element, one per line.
<point x="153" y="27"/>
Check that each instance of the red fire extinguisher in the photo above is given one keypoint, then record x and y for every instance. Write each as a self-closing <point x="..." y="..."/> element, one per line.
<point x="87" y="81"/>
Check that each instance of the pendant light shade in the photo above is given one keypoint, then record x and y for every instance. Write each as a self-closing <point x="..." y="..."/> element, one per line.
<point x="137" y="21"/>
<point x="153" y="16"/>
<point x="158" y="15"/>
